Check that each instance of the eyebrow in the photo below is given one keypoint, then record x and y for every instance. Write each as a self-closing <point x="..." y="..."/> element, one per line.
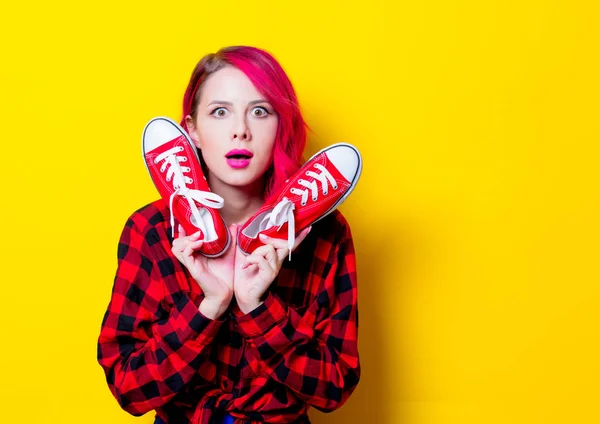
<point x="222" y="102"/>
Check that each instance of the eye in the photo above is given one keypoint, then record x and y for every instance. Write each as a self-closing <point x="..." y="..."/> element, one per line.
<point x="220" y="112"/>
<point x="260" y="111"/>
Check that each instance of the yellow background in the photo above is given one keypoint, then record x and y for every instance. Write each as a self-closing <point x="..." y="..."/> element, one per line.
<point x="475" y="221"/>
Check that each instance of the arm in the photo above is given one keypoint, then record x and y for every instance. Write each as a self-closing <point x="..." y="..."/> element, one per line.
<point x="315" y="355"/>
<point x="149" y="356"/>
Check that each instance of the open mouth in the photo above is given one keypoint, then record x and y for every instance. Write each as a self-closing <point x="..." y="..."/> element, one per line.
<point x="239" y="154"/>
<point x="238" y="158"/>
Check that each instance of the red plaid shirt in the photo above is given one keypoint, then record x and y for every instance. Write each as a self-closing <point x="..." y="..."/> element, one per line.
<point x="298" y="349"/>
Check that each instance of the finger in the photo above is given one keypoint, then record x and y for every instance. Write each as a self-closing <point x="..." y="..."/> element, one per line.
<point x="282" y="254"/>
<point x="282" y="243"/>
<point x="265" y="250"/>
<point x="179" y="244"/>
<point x="262" y="264"/>
<point x="262" y="250"/>
<point x="194" y="236"/>
<point x="180" y="231"/>
<point x="277" y="242"/>
<point x="279" y="253"/>
<point x="183" y="237"/>
<point x="259" y="251"/>
<point x="177" y="251"/>
<point x="187" y="252"/>
<point x="271" y="256"/>
<point x="281" y="249"/>
<point x="191" y="247"/>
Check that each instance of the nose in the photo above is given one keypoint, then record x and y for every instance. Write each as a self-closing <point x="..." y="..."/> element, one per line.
<point x="240" y="130"/>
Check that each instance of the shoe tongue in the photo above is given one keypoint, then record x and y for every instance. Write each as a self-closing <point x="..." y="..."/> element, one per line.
<point x="278" y="215"/>
<point x="264" y="225"/>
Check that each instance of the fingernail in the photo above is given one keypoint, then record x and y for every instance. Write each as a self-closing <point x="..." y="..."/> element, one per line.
<point x="264" y="237"/>
<point x="309" y="229"/>
<point x="196" y="234"/>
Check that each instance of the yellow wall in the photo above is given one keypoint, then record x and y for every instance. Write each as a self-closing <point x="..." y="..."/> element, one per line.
<point x="475" y="221"/>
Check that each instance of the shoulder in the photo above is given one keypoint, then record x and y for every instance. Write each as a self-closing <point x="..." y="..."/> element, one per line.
<point x="328" y="237"/>
<point x="334" y="228"/>
<point x="152" y="215"/>
<point x="148" y="225"/>
<point x="145" y="245"/>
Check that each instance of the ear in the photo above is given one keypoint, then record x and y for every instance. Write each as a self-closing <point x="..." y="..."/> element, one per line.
<point x="192" y="131"/>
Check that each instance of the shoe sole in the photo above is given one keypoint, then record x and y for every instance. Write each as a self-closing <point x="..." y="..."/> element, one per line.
<point x="352" y="183"/>
<point x="182" y="131"/>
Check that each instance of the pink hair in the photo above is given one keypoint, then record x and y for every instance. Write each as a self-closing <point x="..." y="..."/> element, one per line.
<point x="271" y="81"/>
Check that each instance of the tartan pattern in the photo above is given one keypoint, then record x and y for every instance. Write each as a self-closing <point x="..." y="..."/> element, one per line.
<point x="297" y="349"/>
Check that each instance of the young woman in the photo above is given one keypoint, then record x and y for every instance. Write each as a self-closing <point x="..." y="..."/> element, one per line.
<point x="237" y="338"/>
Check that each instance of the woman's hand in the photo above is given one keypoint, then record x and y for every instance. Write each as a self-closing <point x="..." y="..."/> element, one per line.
<point x="213" y="275"/>
<point x="255" y="273"/>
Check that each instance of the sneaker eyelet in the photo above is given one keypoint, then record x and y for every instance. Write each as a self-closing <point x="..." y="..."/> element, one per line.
<point x="306" y="173"/>
<point x="315" y="199"/>
<point x="303" y="204"/>
<point x="181" y="148"/>
<point x="335" y="187"/>
<point x="325" y="193"/>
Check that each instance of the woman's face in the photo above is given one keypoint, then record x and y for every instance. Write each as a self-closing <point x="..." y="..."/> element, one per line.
<point x="235" y="128"/>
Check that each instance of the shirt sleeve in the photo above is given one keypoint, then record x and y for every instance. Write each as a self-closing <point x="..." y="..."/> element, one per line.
<point x="149" y="348"/>
<point x="314" y="354"/>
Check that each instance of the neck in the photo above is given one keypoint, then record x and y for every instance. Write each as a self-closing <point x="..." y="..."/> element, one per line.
<point x="240" y="202"/>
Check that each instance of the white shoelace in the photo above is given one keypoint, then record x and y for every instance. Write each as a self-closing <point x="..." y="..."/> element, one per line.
<point x="176" y="171"/>
<point x="284" y="211"/>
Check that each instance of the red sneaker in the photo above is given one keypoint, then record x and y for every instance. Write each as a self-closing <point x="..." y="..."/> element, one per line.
<point x="174" y="166"/>
<point x="316" y="190"/>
